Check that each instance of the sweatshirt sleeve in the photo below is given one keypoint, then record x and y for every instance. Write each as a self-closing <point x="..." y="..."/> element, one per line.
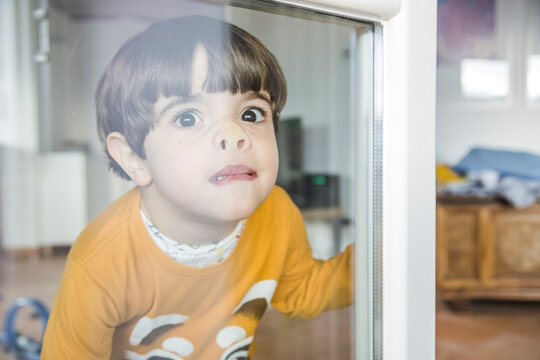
<point x="309" y="286"/>
<point x="82" y="319"/>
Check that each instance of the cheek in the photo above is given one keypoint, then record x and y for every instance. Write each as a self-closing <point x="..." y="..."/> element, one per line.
<point x="275" y="156"/>
<point x="167" y="158"/>
<point x="271" y="156"/>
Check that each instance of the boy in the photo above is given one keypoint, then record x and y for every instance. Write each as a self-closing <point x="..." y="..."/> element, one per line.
<point x="184" y="265"/>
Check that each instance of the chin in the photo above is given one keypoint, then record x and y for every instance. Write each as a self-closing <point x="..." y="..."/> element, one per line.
<point x="239" y="201"/>
<point x="237" y="213"/>
<point x="240" y="210"/>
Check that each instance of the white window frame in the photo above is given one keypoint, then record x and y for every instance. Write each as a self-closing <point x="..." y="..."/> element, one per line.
<point x="409" y="68"/>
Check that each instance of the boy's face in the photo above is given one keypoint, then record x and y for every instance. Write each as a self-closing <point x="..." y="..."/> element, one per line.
<point x="212" y="157"/>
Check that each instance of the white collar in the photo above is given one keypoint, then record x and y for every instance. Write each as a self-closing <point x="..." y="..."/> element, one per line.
<point x="195" y="255"/>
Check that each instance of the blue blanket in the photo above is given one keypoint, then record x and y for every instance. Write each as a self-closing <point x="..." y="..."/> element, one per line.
<point x="507" y="163"/>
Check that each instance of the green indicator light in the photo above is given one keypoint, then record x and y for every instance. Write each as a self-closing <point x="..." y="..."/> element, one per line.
<point x="319" y="180"/>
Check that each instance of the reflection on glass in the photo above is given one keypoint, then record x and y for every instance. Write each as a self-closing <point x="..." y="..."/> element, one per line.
<point x="484" y="79"/>
<point x="49" y="195"/>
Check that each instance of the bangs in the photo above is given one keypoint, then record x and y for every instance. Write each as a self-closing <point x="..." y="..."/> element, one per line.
<point x="237" y="62"/>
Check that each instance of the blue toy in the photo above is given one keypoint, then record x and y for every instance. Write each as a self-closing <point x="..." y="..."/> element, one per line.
<point x="23" y="347"/>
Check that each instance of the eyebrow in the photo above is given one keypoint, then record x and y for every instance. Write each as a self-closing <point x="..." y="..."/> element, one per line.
<point x="194" y="98"/>
<point x="180" y="100"/>
<point x="252" y="95"/>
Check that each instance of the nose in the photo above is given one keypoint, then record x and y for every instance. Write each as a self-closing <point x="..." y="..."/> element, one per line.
<point x="233" y="137"/>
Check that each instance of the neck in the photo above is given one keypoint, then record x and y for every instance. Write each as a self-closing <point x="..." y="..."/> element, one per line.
<point x="183" y="229"/>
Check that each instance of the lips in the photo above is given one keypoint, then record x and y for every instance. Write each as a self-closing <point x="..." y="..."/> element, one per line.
<point x="232" y="173"/>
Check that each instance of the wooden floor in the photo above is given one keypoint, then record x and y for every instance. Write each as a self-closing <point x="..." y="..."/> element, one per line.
<point x="489" y="331"/>
<point x="486" y="330"/>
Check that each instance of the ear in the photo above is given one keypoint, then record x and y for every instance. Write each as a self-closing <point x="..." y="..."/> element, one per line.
<point x="128" y="159"/>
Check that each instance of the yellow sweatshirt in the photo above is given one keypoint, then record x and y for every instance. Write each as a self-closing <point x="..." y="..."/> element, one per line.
<point x="121" y="297"/>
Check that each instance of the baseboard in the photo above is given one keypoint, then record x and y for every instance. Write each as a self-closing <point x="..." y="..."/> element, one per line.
<point x="27" y="253"/>
<point x="19" y="254"/>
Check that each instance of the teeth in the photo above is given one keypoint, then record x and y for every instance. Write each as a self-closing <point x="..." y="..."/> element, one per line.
<point x="219" y="178"/>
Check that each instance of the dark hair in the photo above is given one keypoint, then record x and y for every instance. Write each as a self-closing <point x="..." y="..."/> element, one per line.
<point x="158" y="62"/>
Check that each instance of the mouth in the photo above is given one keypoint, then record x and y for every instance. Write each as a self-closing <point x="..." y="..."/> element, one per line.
<point x="232" y="173"/>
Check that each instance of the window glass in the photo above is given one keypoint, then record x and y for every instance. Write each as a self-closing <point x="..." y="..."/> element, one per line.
<point x="55" y="178"/>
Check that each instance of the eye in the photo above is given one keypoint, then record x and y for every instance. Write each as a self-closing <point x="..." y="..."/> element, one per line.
<point x="253" y="114"/>
<point x="186" y="118"/>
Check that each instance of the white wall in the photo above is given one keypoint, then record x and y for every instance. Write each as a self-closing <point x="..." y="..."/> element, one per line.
<point x="511" y="125"/>
<point x="80" y="51"/>
<point x="459" y="130"/>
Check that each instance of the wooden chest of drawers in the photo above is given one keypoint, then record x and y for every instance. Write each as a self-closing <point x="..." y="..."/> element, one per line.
<point x="488" y="251"/>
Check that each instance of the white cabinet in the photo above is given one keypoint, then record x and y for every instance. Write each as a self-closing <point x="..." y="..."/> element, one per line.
<point x="62" y="199"/>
